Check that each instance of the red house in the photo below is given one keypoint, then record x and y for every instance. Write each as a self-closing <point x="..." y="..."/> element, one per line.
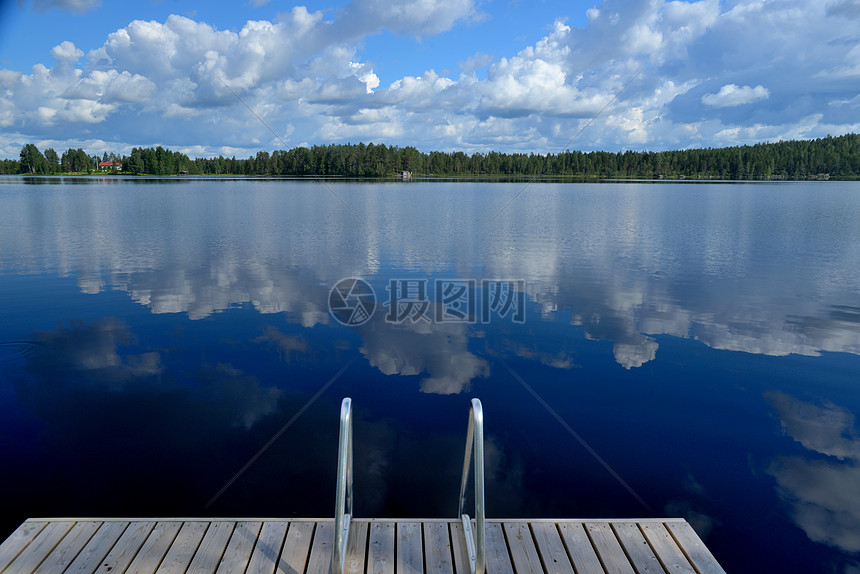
<point x="107" y="165"/>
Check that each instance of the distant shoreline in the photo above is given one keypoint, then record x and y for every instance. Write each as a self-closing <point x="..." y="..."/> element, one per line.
<point x="415" y="179"/>
<point x="798" y="160"/>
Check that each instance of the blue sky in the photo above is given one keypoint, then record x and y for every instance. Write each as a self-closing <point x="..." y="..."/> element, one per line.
<point x="445" y="74"/>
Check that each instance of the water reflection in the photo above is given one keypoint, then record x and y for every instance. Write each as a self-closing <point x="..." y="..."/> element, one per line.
<point x="92" y="352"/>
<point x="623" y="266"/>
<point x="440" y="350"/>
<point x="104" y="358"/>
<point x="193" y="324"/>
<point x="111" y="406"/>
<point x="823" y="492"/>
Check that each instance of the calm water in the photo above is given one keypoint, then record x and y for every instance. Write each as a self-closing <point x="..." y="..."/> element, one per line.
<point x="703" y="339"/>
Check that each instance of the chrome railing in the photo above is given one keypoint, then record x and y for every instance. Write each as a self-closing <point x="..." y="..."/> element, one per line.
<point x="343" y="498"/>
<point x="474" y="448"/>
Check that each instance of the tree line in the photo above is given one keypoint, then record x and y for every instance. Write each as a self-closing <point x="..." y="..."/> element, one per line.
<point x="837" y="157"/>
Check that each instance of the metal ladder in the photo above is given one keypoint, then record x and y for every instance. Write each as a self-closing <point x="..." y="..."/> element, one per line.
<point x="343" y="497"/>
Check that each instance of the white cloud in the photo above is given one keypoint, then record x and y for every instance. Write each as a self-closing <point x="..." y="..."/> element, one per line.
<point x="365" y="75"/>
<point x="112" y="87"/>
<point x="66" y="51"/>
<point x="9" y="78"/>
<point x="309" y="70"/>
<point x="733" y="95"/>
<point x="175" y="111"/>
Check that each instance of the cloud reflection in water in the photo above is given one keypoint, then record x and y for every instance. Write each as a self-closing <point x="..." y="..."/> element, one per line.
<point x="822" y="488"/>
<point x="626" y="263"/>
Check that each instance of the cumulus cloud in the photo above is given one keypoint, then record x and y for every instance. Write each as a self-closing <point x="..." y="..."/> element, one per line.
<point x="66" y="51"/>
<point x="9" y="78"/>
<point x="704" y="73"/>
<point x="733" y="95"/>
<point x="112" y="87"/>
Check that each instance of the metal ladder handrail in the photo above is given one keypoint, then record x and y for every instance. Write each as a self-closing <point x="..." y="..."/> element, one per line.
<point x="343" y="496"/>
<point x="474" y="446"/>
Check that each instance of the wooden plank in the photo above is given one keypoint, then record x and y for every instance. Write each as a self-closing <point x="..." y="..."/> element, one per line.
<point x="637" y="548"/>
<point x="297" y="547"/>
<point x="356" y="548"/>
<point x="212" y="547"/>
<point x="551" y="548"/>
<point x="239" y="549"/>
<point x="183" y="549"/>
<point x="321" y="549"/>
<point x="666" y="549"/>
<point x="103" y="555"/>
<point x="579" y="548"/>
<point x="89" y="560"/>
<point x="30" y="558"/>
<point x="154" y="548"/>
<point x="268" y="548"/>
<point x="608" y="548"/>
<point x="437" y="549"/>
<point x="377" y="546"/>
<point x="498" y="556"/>
<point x="459" y="548"/>
<point x="66" y="552"/>
<point x="380" y="559"/>
<point x="693" y="547"/>
<point x="523" y="552"/>
<point x="410" y="554"/>
<point x="18" y="541"/>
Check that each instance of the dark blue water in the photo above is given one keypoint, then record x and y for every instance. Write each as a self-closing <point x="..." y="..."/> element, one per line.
<point x="702" y="339"/>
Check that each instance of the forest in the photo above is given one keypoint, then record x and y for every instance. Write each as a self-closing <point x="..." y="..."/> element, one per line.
<point x="822" y="158"/>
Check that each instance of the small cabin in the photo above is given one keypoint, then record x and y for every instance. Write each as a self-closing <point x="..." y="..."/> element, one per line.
<point x="110" y="165"/>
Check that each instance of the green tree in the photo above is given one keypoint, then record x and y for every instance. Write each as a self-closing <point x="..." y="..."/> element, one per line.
<point x="32" y="160"/>
<point x="53" y="160"/>
<point x="133" y="164"/>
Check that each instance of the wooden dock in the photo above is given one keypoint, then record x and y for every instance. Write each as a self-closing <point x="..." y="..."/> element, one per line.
<point x="376" y="546"/>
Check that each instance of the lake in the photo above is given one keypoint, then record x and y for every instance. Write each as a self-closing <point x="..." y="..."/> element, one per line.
<point x="640" y="349"/>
